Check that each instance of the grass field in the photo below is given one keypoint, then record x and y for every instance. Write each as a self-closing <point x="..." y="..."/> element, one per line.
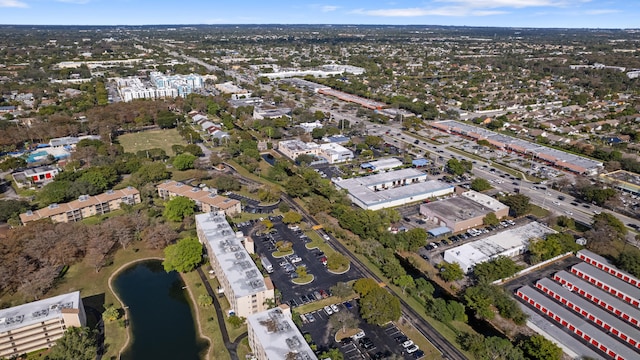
<point x="151" y="139"/>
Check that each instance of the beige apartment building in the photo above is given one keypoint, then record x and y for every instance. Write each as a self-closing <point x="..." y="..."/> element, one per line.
<point x="85" y="206"/>
<point x="207" y="200"/>
<point x="242" y="283"/>
<point x="272" y="335"/>
<point x="37" y="325"/>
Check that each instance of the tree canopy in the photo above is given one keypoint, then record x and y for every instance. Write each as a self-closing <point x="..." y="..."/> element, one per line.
<point x="183" y="256"/>
<point x="378" y="306"/>
<point x="179" y="207"/>
<point x="450" y="271"/>
<point x="518" y="204"/>
<point x="184" y="161"/>
<point x="480" y="184"/>
<point x="76" y="343"/>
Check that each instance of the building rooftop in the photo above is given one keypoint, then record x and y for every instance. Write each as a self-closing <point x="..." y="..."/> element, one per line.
<point x="82" y="202"/>
<point x="458" y="208"/>
<point x="485" y="249"/>
<point x="561" y="158"/>
<point x="279" y="336"/>
<point x="606" y="278"/>
<point x="240" y="270"/>
<point x="382" y="164"/>
<point x="484" y="200"/>
<point x="362" y="188"/>
<point x="37" y="311"/>
<point x="579" y="322"/>
<point x="206" y="196"/>
<point x="297" y="145"/>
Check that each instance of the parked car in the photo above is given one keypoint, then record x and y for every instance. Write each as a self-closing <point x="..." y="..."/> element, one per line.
<point x="412" y="349"/>
<point x="418" y="354"/>
<point x="407" y="344"/>
<point x="335" y="308"/>
<point x="359" y="335"/>
<point x="328" y="310"/>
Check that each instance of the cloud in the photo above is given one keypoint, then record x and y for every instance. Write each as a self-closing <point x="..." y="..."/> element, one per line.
<point x="78" y="2"/>
<point x="601" y="11"/>
<point x="13" y="3"/>
<point x="329" y="8"/>
<point x="468" y="8"/>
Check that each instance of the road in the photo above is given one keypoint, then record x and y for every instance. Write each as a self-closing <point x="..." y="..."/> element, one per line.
<point x="546" y="198"/>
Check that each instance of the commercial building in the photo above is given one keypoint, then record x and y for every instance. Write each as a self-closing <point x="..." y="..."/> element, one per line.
<point x="35" y="176"/>
<point x="382" y="164"/>
<point x="608" y="283"/>
<point x="272" y="335"/>
<point x="392" y="188"/>
<point x="207" y="200"/>
<point x="37" y="325"/>
<point x="335" y="153"/>
<point x="244" y="286"/>
<point x="511" y="242"/>
<point x="85" y="206"/>
<point x="606" y="265"/>
<point x="294" y="148"/>
<point x="578" y="325"/>
<point x="463" y="212"/>
<point x="563" y="160"/>
<point x="623" y="180"/>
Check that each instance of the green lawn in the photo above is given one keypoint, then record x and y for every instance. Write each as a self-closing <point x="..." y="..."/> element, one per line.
<point x="151" y="139"/>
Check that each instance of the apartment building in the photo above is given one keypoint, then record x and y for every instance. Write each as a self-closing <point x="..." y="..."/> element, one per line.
<point x="37" y="325"/>
<point x="85" y="206"/>
<point x="272" y="335"/>
<point x="242" y="283"/>
<point x="207" y="200"/>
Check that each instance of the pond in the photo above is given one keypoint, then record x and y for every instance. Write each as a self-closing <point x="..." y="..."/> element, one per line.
<point x="162" y="323"/>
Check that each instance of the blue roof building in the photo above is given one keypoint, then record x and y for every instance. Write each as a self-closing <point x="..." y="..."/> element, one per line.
<point x="439" y="231"/>
<point x="420" y="162"/>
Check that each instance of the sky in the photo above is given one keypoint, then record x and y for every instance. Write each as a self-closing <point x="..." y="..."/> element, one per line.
<point x="502" y="13"/>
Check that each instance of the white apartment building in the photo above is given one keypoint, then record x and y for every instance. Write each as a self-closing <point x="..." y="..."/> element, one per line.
<point x="132" y="88"/>
<point x="244" y="286"/>
<point x="37" y="325"/>
<point x="335" y="153"/>
<point x="272" y="335"/>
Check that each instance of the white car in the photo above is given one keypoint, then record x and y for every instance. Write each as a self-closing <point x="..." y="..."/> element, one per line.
<point x="412" y="349"/>
<point x="359" y="335"/>
<point x="335" y="308"/>
<point x="295" y="259"/>
<point x="407" y="344"/>
<point x="328" y="310"/>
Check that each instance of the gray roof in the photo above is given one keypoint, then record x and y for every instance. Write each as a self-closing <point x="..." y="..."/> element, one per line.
<point x="580" y="323"/>
<point x="528" y="146"/>
<point x="592" y="309"/>
<point x="588" y="288"/>
<point x="605" y="261"/>
<point x="37" y="311"/>
<point x="279" y="336"/>
<point x="457" y="208"/>
<point x="361" y="187"/>
<point x="612" y="281"/>
<point x="241" y="272"/>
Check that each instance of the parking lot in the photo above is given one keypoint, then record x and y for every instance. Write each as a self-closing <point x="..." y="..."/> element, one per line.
<point x="375" y="343"/>
<point x="252" y="206"/>
<point x="284" y="267"/>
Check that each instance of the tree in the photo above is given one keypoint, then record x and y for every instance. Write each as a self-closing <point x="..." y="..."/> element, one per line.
<point x="365" y="286"/>
<point x="342" y="290"/>
<point x="76" y="343"/>
<point x="343" y="320"/>
<point x="194" y="149"/>
<point x="518" y="204"/>
<point x="111" y="314"/>
<point x="379" y="306"/>
<point x="183" y="256"/>
<point x="296" y="186"/>
<point x="405" y="281"/>
<point x="333" y="354"/>
<point x="479" y="299"/>
<point x="159" y="236"/>
<point x="490" y="219"/>
<point x="629" y="261"/>
<point x="337" y="261"/>
<point x="12" y="163"/>
<point x="458" y="167"/>
<point x="499" y="268"/>
<point x="236" y="321"/>
<point x="480" y="184"/>
<point x="605" y="219"/>
<point x="179" y="207"/>
<point x="291" y="217"/>
<point x="204" y="300"/>
<point x="536" y="347"/>
<point x="12" y="208"/>
<point x="184" y="161"/>
<point x="450" y="271"/>
<point x="424" y="288"/>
